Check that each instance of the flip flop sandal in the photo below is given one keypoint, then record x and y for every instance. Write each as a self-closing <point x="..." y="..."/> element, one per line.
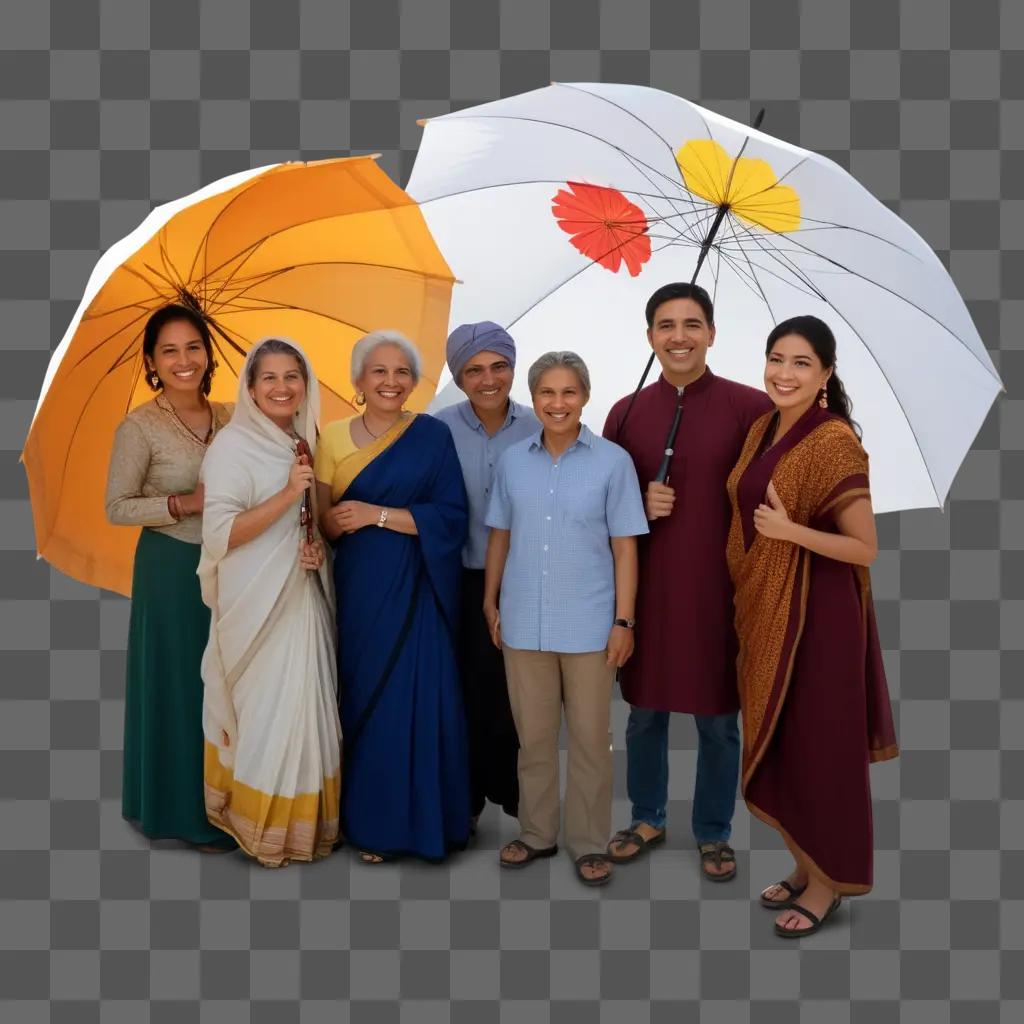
<point x="721" y="853"/>
<point x="592" y="860"/>
<point x="816" y="922"/>
<point x="629" y="835"/>
<point x="532" y="853"/>
<point x="795" y="892"/>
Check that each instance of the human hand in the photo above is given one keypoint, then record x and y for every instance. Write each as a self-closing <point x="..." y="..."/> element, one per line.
<point x="300" y="477"/>
<point x="350" y="516"/>
<point x="192" y="504"/>
<point x="620" y="646"/>
<point x="311" y="556"/>
<point x="659" y="500"/>
<point x="771" y="519"/>
<point x="493" y="623"/>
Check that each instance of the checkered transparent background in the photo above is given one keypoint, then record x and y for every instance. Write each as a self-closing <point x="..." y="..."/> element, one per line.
<point x="108" y="107"/>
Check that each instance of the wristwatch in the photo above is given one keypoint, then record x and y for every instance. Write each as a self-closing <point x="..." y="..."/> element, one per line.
<point x="383" y="517"/>
<point x="628" y="623"/>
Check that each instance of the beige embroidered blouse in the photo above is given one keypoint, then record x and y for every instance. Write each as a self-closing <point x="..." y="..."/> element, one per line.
<point x="155" y="455"/>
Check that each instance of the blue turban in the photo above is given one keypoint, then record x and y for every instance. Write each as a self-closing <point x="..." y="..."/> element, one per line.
<point x="465" y="341"/>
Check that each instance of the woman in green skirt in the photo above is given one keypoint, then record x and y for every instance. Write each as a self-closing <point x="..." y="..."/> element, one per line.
<point x="153" y="484"/>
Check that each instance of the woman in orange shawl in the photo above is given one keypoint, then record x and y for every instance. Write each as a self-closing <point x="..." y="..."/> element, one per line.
<point x="812" y="685"/>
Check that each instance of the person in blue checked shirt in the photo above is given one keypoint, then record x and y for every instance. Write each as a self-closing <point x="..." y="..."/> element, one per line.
<point x="482" y="360"/>
<point x="564" y="512"/>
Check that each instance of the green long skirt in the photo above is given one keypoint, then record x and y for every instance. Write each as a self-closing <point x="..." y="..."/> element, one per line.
<point x="162" y="792"/>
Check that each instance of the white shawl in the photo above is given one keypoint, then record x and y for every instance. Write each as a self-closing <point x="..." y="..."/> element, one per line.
<point x="248" y="462"/>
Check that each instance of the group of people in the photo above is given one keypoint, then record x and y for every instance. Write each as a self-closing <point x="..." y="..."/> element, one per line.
<point x="368" y="632"/>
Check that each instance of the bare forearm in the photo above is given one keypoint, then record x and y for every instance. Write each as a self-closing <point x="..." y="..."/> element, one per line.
<point x="624" y="554"/>
<point x="401" y="521"/>
<point x="252" y="522"/>
<point x="836" y="546"/>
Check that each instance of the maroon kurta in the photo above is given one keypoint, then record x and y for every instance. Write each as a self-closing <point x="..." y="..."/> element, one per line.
<point x="685" y="655"/>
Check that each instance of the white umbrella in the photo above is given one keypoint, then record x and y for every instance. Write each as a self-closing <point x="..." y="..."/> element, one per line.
<point x="563" y="209"/>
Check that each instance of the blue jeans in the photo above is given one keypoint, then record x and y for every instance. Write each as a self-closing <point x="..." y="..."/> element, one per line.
<point x="718" y="769"/>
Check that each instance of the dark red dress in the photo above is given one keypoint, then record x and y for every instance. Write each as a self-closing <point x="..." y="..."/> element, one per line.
<point x="828" y="716"/>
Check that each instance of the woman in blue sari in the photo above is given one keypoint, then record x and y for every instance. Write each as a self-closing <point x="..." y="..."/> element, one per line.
<point x="394" y="503"/>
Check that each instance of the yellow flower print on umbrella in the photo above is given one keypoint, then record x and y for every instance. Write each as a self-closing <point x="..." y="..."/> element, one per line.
<point x="746" y="185"/>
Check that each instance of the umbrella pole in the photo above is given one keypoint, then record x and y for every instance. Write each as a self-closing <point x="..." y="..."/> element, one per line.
<point x="705" y="248"/>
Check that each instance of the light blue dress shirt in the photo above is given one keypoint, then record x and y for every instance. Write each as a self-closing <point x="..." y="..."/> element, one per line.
<point x="478" y="454"/>
<point x="558" y="589"/>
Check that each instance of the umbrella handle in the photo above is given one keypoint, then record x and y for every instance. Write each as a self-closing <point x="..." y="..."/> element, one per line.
<point x="670" y="443"/>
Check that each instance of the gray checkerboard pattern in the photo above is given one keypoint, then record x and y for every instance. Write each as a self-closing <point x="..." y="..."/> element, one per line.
<point x="110" y="106"/>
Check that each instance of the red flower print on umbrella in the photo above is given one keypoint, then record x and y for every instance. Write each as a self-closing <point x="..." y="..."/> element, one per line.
<point x="604" y="225"/>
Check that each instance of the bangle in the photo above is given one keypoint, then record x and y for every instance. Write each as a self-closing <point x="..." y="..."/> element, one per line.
<point x="174" y="506"/>
<point x="382" y="521"/>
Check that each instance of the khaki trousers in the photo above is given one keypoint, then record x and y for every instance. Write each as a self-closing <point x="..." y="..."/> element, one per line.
<point x="540" y="683"/>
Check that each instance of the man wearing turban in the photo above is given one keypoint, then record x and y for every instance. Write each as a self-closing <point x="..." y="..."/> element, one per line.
<point x="482" y="360"/>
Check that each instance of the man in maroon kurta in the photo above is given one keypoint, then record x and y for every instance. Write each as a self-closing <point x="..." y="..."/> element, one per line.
<point x="685" y="654"/>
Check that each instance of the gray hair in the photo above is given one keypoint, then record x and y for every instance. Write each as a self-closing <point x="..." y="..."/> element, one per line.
<point x="365" y="346"/>
<point x="552" y="360"/>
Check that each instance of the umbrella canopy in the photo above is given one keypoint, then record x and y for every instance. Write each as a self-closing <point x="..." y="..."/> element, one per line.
<point x="320" y="252"/>
<point x="563" y="209"/>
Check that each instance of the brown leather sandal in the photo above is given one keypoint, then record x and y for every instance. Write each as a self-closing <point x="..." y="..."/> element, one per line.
<point x="630" y="835"/>
<point x="721" y="853"/>
<point x="532" y="853"/>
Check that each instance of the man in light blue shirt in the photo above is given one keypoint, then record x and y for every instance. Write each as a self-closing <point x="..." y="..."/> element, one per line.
<point x="565" y="513"/>
<point x="482" y="359"/>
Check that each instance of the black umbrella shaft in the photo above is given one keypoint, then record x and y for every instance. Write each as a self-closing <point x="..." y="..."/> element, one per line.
<point x="705" y="248"/>
<point x="670" y="441"/>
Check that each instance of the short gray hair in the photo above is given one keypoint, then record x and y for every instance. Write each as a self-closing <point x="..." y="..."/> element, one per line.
<point x="366" y="345"/>
<point x="552" y="360"/>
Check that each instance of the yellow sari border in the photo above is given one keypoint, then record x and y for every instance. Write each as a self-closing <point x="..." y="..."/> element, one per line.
<point x="352" y="464"/>
<point x="268" y="826"/>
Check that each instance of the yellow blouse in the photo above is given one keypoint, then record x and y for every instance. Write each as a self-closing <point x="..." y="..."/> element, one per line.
<point x="338" y="461"/>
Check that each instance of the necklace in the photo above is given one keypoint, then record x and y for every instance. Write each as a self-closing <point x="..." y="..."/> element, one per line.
<point x="168" y="407"/>
<point x="371" y="433"/>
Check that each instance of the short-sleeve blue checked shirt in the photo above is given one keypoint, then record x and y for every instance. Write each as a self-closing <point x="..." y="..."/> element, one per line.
<point x="558" y="589"/>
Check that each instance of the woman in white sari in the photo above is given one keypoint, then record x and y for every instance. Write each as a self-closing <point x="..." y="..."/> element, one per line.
<point x="270" y="715"/>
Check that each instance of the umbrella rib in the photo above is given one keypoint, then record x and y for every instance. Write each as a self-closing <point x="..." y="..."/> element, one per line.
<point x="668" y="199"/>
<point x="110" y="337"/>
<point x="753" y="275"/>
<point x="270" y="275"/>
<point x="268" y="307"/>
<point x="205" y="240"/>
<point x="564" y="127"/>
<point x="890" y="291"/>
<point x="867" y="348"/>
<point x="625" y="110"/>
<point x="169" y="267"/>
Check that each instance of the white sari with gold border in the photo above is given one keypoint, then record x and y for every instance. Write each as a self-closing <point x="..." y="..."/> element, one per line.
<point x="270" y="670"/>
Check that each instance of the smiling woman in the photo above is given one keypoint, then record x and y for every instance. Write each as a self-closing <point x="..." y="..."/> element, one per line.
<point x="393" y="502"/>
<point x="153" y="483"/>
<point x="559" y="594"/>
<point x="269" y="716"/>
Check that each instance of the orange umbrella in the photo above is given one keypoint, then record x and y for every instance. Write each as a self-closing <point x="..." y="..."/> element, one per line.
<point x="320" y="252"/>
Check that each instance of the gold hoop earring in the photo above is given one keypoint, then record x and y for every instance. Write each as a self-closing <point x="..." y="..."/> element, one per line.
<point x="360" y="398"/>
<point x="823" y="399"/>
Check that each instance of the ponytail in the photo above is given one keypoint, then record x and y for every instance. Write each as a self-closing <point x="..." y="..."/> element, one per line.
<point x="839" y="402"/>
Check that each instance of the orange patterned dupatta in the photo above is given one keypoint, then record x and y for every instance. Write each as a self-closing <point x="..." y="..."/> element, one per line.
<point x="817" y="467"/>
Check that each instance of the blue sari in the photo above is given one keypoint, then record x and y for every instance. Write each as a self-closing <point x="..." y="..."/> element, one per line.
<point x="405" y="787"/>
